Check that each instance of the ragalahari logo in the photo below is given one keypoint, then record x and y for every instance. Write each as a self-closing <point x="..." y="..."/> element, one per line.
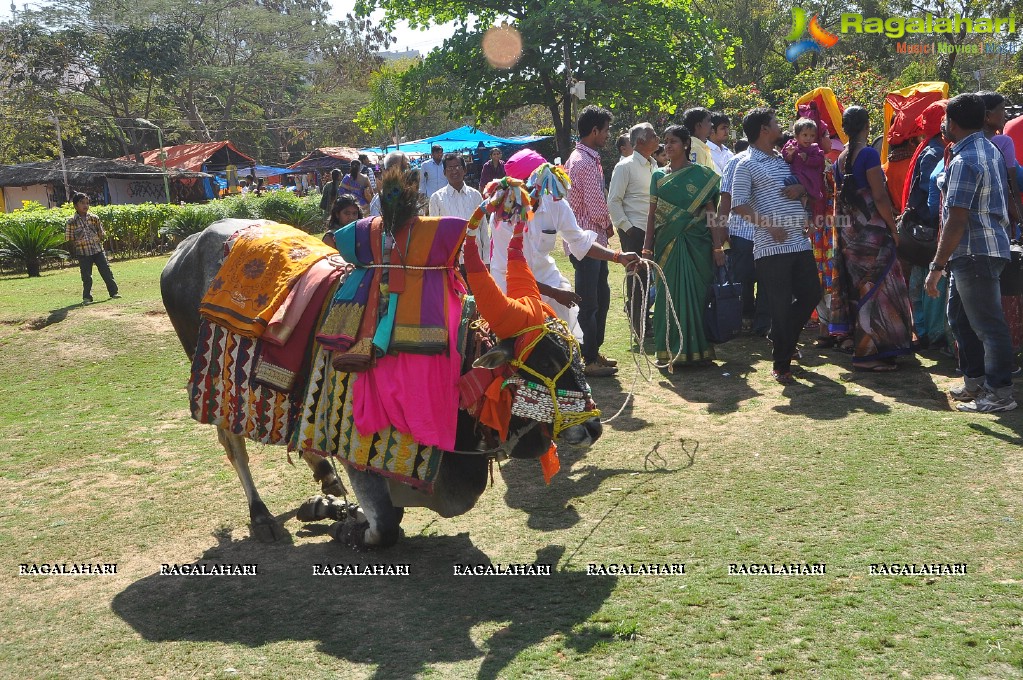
<point x="819" y="38"/>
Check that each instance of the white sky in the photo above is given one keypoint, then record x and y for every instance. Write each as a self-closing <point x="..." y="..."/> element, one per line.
<point x="407" y="39"/>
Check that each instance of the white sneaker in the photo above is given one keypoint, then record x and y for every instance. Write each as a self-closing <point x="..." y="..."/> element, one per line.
<point x="964" y="393"/>
<point x="988" y="403"/>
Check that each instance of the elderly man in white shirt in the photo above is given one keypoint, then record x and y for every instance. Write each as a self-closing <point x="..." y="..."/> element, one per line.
<point x="628" y="201"/>
<point x="390" y="160"/>
<point x="551" y="217"/>
<point x="458" y="199"/>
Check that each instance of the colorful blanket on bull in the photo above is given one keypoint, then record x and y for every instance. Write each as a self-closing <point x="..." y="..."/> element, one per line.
<point x="326" y="426"/>
<point x="397" y="299"/>
<point x="222" y="390"/>
<point x="264" y="261"/>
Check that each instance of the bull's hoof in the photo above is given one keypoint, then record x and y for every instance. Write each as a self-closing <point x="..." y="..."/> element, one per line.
<point x="351" y="533"/>
<point x="318" y="507"/>
<point x="335" y="488"/>
<point x="267" y="531"/>
<point x="330" y="483"/>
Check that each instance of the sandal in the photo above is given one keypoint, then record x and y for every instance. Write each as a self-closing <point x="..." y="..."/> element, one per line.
<point x="824" y="342"/>
<point x="846" y="345"/>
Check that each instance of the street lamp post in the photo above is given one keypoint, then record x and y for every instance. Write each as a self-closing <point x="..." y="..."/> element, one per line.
<point x="63" y="163"/>
<point x="163" y="155"/>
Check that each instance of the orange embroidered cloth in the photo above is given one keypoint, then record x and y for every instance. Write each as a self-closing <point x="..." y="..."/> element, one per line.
<point x="264" y="263"/>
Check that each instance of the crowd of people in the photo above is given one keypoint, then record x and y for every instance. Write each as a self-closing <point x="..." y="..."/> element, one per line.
<point x="808" y="226"/>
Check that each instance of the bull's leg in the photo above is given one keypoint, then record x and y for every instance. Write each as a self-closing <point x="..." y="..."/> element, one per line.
<point x="264" y="525"/>
<point x="381" y="527"/>
<point x="323" y="472"/>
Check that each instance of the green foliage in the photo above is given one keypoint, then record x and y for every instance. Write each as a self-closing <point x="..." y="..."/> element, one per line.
<point x="736" y="102"/>
<point x="1012" y="87"/>
<point x="191" y="219"/>
<point x="286" y="208"/>
<point x="304" y="214"/>
<point x="633" y="54"/>
<point x="134" y="230"/>
<point x="31" y="239"/>
<point x="853" y="81"/>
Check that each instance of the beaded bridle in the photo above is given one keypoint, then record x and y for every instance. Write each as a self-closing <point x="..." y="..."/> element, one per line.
<point x="543" y="401"/>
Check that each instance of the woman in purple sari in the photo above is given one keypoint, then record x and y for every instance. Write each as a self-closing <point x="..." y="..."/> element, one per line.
<point x="870" y="301"/>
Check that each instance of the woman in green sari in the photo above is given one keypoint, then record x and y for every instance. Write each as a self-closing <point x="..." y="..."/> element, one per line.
<point x="677" y="236"/>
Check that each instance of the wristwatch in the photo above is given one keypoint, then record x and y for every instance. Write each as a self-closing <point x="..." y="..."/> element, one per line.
<point x="935" y="267"/>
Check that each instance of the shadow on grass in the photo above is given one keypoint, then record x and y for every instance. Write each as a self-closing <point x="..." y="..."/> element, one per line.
<point x="55" y="316"/>
<point x="399" y="624"/>
<point x="551" y="509"/>
<point x="987" y="431"/>
<point x="612" y="395"/>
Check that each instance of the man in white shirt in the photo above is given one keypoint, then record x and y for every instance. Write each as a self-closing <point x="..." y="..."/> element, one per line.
<point x="458" y="199"/>
<point x="624" y="145"/>
<point x="431" y="172"/>
<point x="720" y="131"/>
<point x="628" y="201"/>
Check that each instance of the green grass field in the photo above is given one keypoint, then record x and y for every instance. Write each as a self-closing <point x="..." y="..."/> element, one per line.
<point x="708" y="467"/>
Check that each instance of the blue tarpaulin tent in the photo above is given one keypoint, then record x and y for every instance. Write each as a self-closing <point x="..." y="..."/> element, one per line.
<point x="464" y="138"/>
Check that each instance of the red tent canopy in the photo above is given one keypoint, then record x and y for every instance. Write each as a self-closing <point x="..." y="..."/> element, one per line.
<point x="329" y="157"/>
<point x="196" y="157"/>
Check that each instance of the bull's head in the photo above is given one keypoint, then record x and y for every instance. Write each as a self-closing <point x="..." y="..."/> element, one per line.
<point x="549" y="387"/>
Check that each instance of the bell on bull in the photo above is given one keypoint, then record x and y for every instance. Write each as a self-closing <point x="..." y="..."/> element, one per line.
<point x="539" y="355"/>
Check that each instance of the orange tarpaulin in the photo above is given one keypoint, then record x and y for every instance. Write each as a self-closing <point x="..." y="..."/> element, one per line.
<point x="828" y="107"/>
<point x="901" y="110"/>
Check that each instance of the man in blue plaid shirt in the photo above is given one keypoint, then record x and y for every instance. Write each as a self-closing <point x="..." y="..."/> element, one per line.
<point x="973" y="249"/>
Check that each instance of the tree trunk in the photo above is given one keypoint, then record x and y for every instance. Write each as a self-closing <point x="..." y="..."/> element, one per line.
<point x="32" y="265"/>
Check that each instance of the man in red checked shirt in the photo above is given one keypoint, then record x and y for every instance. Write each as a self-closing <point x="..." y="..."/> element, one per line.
<point x="589" y="203"/>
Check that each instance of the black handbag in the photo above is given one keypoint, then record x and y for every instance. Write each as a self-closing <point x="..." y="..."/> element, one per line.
<point x="723" y="317"/>
<point x="918" y="241"/>
<point x="1011" y="279"/>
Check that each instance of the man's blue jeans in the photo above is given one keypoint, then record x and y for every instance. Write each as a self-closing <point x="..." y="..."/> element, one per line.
<point x="978" y="324"/>
<point x="591" y="285"/>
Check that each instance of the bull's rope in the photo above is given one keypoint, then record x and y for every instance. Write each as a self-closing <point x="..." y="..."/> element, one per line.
<point x="672" y="315"/>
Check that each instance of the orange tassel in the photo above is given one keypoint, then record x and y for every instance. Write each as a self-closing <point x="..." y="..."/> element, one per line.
<point x="550" y="463"/>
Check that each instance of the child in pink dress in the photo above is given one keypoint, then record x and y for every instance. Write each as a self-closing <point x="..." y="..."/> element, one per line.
<point x="806" y="158"/>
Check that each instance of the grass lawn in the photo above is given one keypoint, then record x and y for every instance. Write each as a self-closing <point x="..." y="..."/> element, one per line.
<point x="707" y="467"/>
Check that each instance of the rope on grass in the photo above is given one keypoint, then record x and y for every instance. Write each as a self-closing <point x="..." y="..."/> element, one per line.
<point x="650" y="270"/>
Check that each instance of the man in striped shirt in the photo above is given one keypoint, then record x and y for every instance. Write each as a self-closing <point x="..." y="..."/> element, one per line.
<point x="974" y="248"/>
<point x="589" y="203"/>
<point x="786" y="271"/>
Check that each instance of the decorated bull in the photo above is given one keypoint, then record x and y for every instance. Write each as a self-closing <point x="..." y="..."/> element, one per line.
<point x="391" y="385"/>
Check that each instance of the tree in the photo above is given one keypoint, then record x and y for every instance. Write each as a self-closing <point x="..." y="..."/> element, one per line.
<point x="645" y="54"/>
<point x="393" y="99"/>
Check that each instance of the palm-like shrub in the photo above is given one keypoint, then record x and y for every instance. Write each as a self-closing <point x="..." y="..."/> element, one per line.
<point x="243" y="207"/>
<point x="30" y="241"/>
<point x="278" y="206"/>
<point x="302" y="214"/>
<point x="191" y="219"/>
